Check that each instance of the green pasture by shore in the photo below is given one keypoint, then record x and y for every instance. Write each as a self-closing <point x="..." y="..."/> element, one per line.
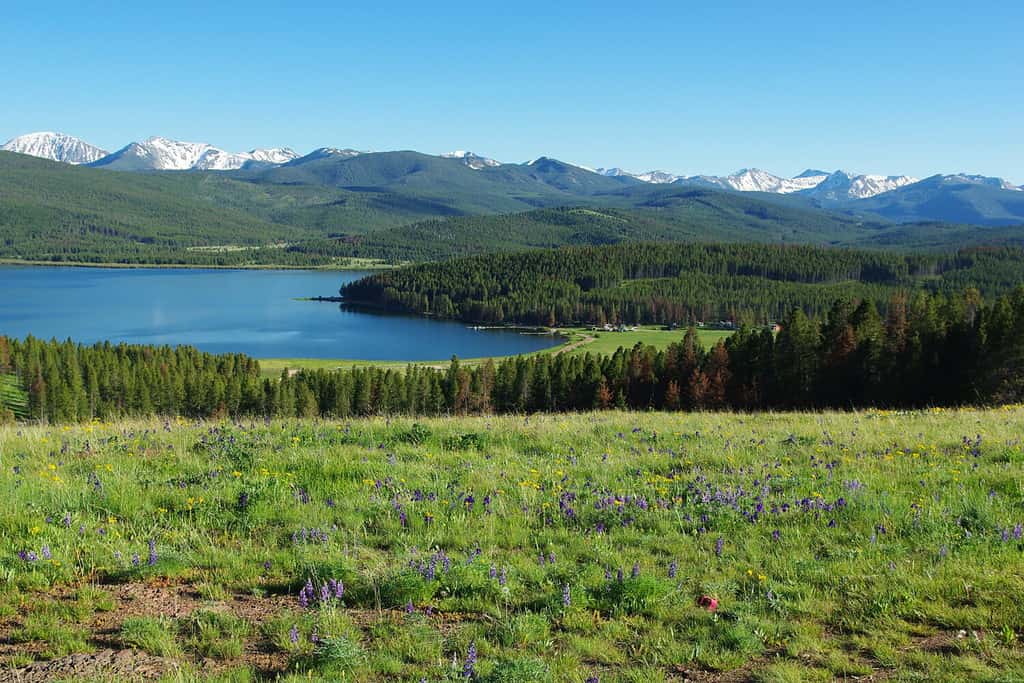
<point x="578" y="340"/>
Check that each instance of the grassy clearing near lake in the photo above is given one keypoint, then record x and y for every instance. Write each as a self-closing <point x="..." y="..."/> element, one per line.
<point x="578" y="340"/>
<point x="543" y="548"/>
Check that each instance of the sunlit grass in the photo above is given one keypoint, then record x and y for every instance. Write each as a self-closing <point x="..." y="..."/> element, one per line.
<point x="561" y="547"/>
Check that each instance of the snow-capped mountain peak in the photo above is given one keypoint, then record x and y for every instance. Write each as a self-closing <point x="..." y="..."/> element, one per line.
<point x="164" y="154"/>
<point x="55" y="146"/>
<point x="843" y="185"/>
<point x="654" y="177"/>
<point x="471" y="159"/>
<point x="273" y="155"/>
<point x="975" y="179"/>
<point x="758" y="180"/>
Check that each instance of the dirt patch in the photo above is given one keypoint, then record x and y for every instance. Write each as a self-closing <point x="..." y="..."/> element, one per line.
<point x="121" y="665"/>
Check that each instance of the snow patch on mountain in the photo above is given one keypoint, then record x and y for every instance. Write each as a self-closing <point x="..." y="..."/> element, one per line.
<point x="842" y="185"/>
<point x="273" y="155"/>
<point x="164" y="154"/>
<point x="472" y="159"/>
<point x="756" y="180"/>
<point x="654" y="177"/>
<point x="982" y="180"/>
<point x="55" y="147"/>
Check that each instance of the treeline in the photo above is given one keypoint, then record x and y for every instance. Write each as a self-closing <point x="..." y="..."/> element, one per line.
<point x="674" y="283"/>
<point x="928" y="350"/>
<point x="67" y="382"/>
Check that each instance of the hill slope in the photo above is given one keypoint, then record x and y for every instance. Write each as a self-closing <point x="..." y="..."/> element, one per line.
<point x="52" y="210"/>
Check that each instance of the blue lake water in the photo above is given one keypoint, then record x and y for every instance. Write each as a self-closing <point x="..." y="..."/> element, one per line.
<point x="246" y="311"/>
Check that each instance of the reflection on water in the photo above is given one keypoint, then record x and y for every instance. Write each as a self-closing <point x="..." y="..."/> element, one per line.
<point x="248" y="311"/>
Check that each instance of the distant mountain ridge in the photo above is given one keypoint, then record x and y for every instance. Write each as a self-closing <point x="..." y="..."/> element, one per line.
<point x="487" y="185"/>
<point x="55" y="147"/>
<point x="163" y="154"/>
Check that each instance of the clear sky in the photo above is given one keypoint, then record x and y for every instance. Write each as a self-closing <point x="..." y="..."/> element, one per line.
<point x="680" y="86"/>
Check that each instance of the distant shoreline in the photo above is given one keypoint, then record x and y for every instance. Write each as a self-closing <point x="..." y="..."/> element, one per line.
<point x="190" y="266"/>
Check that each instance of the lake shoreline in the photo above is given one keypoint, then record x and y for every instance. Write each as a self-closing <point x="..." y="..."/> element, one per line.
<point x="193" y="266"/>
<point x="231" y="310"/>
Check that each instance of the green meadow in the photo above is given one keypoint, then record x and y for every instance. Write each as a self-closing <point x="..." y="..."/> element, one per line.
<point x="603" y="547"/>
<point x="578" y="340"/>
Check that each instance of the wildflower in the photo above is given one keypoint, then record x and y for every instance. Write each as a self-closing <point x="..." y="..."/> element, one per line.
<point x="409" y="608"/>
<point x="152" y="553"/>
<point x="566" y="597"/>
<point x="293" y="634"/>
<point x="469" y="668"/>
<point x="45" y="551"/>
<point x="636" y="570"/>
<point x="776" y="535"/>
<point x="719" y="545"/>
<point x="673" y="567"/>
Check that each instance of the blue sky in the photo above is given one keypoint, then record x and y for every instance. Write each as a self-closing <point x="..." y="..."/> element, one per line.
<point x="684" y="87"/>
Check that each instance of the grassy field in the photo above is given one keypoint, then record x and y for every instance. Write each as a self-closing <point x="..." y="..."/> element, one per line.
<point x="578" y="340"/>
<point x="593" y="547"/>
<point x="12" y="397"/>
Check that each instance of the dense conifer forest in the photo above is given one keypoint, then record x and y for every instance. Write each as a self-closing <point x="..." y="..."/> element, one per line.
<point x="924" y="350"/>
<point x="675" y="283"/>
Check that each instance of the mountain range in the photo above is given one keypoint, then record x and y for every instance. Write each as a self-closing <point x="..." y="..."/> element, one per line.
<point x="329" y="187"/>
<point x="159" y="153"/>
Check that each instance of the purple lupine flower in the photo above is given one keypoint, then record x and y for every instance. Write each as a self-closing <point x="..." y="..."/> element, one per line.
<point x="135" y="560"/>
<point x="776" y="535"/>
<point x="45" y="552"/>
<point x="492" y="572"/>
<point x="503" y="576"/>
<point x="339" y="590"/>
<point x="409" y="608"/>
<point x="293" y="634"/>
<point x="719" y="545"/>
<point x="266" y="566"/>
<point x="1018" y="531"/>
<point x="673" y="567"/>
<point x="618" y="575"/>
<point x="551" y="558"/>
<point x="469" y="668"/>
<point x="636" y="570"/>
<point x="152" y="553"/>
<point x="566" y="597"/>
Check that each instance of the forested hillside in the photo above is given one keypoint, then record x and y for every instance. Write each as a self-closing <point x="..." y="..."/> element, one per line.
<point x="673" y="283"/>
<point x="400" y="207"/>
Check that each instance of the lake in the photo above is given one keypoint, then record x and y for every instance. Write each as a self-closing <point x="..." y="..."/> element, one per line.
<point x="248" y="311"/>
